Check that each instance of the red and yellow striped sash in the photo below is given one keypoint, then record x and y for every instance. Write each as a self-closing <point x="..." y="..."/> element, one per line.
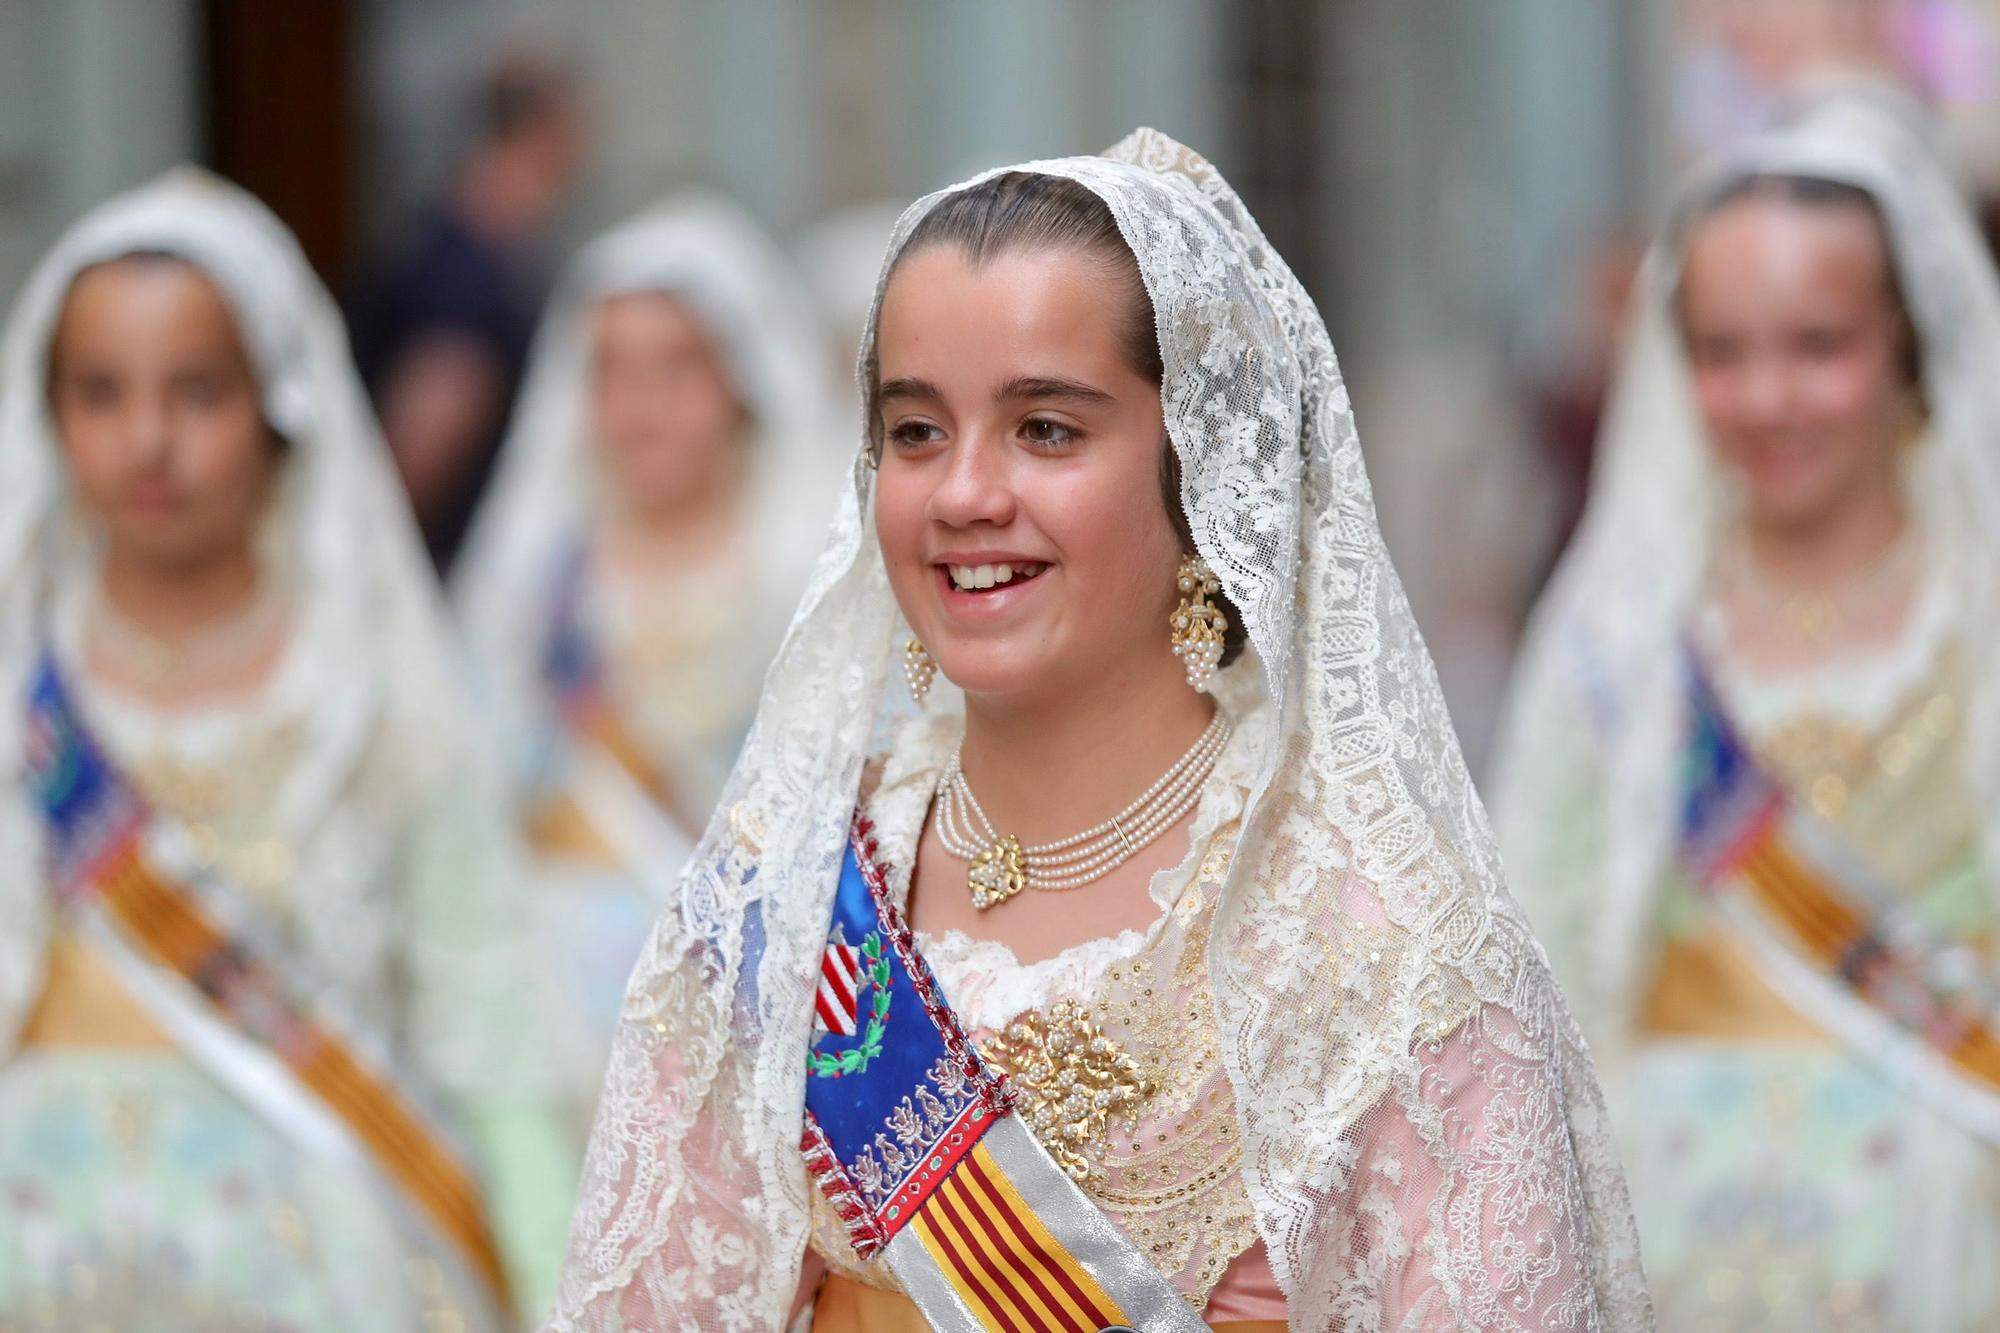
<point x="1003" y="1262"/>
<point x="1742" y="833"/>
<point x="1842" y="942"/>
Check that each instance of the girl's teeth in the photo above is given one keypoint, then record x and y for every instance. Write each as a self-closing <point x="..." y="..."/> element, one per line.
<point x="986" y="576"/>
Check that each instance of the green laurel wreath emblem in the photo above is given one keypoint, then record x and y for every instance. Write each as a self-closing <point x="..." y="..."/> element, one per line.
<point x="834" y="1064"/>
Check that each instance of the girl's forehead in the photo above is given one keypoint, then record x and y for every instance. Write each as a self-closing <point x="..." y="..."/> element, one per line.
<point x="1772" y="242"/>
<point x="145" y="303"/>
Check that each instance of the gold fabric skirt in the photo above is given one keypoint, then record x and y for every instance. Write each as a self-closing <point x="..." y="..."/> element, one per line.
<point x="83" y="1003"/>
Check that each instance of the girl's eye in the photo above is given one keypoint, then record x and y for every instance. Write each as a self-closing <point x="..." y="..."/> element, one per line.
<point x="1715" y="352"/>
<point x="94" y="390"/>
<point x="911" y="433"/>
<point x="1040" y="430"/>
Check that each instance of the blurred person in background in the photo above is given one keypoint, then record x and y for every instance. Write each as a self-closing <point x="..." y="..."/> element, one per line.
<point x="261" y="939"/>
<point x="1113" y="495"/>
<point x="442" y="322"/>
<point x="1748" y="785"/>
<point x="653" y="518"/>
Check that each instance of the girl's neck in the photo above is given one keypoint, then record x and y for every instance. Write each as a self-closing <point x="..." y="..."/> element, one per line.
<point x="701" y="521"/>
<point x="174" y="635"/>
<point x="1048" y="765"/>
<point x="1822" y="554"/>
<point x="179" y="600"/>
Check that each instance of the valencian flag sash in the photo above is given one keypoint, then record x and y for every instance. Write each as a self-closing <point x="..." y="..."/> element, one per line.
<point x="98" y="827"/>
<point x="912" y="1138"/>
<point x="1751" y="846"/>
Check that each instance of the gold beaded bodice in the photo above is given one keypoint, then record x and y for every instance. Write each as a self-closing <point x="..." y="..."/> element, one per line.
<point x="225" y="801"/>
<point x="1897" y="793"/>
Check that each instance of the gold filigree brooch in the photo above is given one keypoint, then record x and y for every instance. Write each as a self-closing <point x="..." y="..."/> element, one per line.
<point x="1073" y="1082"/>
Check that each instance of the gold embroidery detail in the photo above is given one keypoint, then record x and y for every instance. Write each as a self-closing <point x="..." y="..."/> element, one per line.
<point x="227" y="807"/>
<point x="1076" y="1082"/>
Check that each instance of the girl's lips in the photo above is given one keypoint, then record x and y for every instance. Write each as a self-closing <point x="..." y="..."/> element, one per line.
<point x="1778" y="464"/>
<point x="147" y="498"/>
<point x="984" y="605"/>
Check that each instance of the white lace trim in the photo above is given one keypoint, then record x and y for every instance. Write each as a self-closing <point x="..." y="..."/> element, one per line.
<point x="988" y="985"/>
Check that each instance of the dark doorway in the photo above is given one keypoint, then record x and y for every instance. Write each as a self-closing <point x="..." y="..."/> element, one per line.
<point x="278" y="114"/>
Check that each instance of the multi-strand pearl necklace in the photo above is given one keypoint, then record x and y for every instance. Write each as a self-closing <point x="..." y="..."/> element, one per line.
<point x="998" y="866"/>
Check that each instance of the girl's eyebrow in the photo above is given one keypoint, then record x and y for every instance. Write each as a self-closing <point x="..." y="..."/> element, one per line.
<point x="1037" y="386"/>
<point x="906" y="387"/>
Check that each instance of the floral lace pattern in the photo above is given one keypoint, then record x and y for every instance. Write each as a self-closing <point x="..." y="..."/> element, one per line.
<point x="1417" y="1129"/>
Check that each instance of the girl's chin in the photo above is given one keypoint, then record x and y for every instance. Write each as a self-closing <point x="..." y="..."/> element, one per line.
<point x="1792" y="506"/>
<point x="1003" y="668"/>
<point x="999" y="681"/>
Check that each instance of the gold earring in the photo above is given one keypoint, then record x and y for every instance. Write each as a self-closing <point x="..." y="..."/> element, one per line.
<point x="919" y="669"/>
<point x="1198" y="624"/>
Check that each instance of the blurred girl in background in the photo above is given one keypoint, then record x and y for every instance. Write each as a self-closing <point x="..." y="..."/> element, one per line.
<point x="1748" y="790"/>
<point x="656" y="511"/>
<point x="271" y="1052"/>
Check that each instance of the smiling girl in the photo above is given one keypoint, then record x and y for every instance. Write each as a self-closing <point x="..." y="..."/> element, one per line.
<point x="1159" y="974"/>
